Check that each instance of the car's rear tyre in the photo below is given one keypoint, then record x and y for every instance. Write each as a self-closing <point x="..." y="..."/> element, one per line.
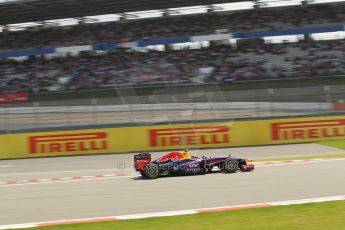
<point x="151" y="171"/>
<point x="230" y="165"/>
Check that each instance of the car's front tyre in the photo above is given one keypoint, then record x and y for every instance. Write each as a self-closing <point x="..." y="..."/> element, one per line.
<point x="230" y="165"/>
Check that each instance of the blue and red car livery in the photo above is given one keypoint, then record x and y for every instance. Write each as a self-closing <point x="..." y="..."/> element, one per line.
<point x="182" y="163"/>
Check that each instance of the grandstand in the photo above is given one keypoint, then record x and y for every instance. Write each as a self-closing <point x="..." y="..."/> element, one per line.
<point x="64" y="46"/>
<point x="173" y="26"/>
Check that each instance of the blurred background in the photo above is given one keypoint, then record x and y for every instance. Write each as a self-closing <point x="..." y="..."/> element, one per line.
<point x="70" y="63"/>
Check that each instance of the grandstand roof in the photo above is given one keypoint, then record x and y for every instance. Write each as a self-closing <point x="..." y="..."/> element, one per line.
<point x="39" y="10"/>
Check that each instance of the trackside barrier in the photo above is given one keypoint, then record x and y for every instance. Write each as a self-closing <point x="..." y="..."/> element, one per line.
<point x="339" y="106"/>
<point x="164" y="137"/>
<point x="172" y="106"/>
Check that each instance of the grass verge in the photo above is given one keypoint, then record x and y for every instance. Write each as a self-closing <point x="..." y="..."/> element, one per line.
<point x="340" y="144"/>
<point x="313" y="216"/>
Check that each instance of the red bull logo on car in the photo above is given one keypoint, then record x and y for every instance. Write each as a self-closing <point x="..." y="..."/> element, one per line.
<point x="79" y="142"/>
<point x="308" y="129"/>
<point x="189" y="136"/>
<point x="171" y="156"/>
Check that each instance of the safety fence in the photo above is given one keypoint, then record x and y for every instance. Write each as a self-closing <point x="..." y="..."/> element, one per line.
<point x="168" y="107"/>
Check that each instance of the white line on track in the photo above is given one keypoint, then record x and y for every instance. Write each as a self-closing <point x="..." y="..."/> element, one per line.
<point x="68" y="171"/>
<point x="6" y="166"/>
<point x="295" y="162"/>
<point x="63" y="180"/>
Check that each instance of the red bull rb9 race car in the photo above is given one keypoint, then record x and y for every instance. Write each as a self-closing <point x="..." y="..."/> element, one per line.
<point x="182" y="163"/>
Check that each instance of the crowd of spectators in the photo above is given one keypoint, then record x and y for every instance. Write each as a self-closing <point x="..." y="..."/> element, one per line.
<point x="92" y="70"/>
<point x="129" y="67"/>
<point x="289" y="60"/>
<point x="131" y="30"/>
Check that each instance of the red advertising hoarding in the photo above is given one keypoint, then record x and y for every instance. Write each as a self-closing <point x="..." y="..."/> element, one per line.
<point x="13" y="98"/>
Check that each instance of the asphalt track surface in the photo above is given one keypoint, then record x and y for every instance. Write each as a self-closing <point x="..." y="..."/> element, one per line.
<point x="130" y="194"/>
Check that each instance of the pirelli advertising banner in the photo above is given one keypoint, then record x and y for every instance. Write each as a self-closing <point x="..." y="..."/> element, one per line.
<point x="164" y="137"/>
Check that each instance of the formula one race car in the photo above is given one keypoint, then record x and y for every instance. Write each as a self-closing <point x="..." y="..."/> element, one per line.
<point x="182" y="163"/>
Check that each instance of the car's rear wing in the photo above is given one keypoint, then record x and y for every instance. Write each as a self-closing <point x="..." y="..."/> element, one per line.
<point x="141" y="160"/>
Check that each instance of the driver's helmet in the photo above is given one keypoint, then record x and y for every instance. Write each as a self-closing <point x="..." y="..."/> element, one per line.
<point x="186" y="155"/>
<point x="194" y="156"/>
